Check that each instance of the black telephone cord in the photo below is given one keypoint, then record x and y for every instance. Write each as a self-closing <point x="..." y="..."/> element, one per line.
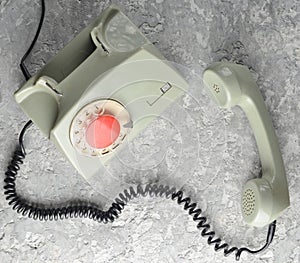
<point x="23" y="67"/>
<point x="84" y="210"/>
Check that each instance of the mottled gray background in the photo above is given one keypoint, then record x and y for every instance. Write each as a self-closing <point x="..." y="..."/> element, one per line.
<point x="265" y="35"/>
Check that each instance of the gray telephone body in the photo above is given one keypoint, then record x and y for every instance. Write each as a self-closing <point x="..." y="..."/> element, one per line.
<point x="109" y="69"/>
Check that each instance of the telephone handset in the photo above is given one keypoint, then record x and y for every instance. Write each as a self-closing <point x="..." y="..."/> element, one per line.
<point x="263" y="198"/>
<point x="105" y="82"/>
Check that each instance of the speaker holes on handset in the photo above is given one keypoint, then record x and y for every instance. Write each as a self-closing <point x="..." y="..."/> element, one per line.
<point x="248" y="202"/>
<point x="216" y="88"/>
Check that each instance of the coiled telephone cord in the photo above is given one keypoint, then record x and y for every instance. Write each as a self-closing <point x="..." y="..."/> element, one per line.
<point x="84" y="210"/>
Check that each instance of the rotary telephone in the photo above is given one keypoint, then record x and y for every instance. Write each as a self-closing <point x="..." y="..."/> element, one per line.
<point x="104" y="88"/>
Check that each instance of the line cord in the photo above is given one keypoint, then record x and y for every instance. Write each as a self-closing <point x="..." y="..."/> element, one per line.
<point x="23" y="67"/>
<point x="85" y="210"/>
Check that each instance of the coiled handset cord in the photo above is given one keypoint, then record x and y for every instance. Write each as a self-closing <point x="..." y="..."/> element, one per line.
<point x="85" y="210"/>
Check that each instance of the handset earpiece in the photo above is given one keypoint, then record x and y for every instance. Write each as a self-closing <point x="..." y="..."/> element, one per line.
<point x="263" y="198"/>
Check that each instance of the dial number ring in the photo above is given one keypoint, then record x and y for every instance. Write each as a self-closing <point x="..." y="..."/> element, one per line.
<point x="89" y="113"/>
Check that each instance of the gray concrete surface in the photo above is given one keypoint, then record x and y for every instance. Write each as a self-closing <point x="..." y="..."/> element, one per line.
<point x="211" y="153"/>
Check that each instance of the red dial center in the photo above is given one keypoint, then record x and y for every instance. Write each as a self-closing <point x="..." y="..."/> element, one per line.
<point x="102" y="132"/>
